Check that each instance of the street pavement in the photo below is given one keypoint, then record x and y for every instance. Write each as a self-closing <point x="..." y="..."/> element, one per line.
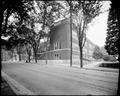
<point x="45" y="79"/>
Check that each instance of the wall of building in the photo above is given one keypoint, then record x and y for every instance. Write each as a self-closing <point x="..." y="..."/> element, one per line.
<point x="60" y="36"/>
<point x="59" y="41"/>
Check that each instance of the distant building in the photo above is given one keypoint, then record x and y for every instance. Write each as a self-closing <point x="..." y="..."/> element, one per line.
<point x="59" y="48"/>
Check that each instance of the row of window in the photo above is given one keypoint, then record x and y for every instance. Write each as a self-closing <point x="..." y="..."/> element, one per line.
<point x="57" y="56"/>
<point x="57" y="45"/>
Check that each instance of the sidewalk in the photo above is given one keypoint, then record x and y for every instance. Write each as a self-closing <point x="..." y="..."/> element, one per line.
<point x="16" y="87"/>
<point x="5" y="88"/>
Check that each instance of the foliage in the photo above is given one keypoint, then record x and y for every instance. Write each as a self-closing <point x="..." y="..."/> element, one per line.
<point x="112" y="39"/>
<point x="109" y="58"/>
<point x="97" y="54"/>
<point x="45" y="17"/>
<point x="82" y="13"/>
<point x="26" y="15"/>
<point x="18" y="10"/>
<point x="9" y="7"/>
<point x="28" y="51"/>
<point x="116" y="7"/>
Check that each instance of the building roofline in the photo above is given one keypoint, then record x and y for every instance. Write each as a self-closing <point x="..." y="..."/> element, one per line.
<point x="55" y="24"/>
<point x="59" y="22"/>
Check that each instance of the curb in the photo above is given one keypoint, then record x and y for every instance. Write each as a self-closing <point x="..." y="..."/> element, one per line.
<point x="16" y="87"/>
<point x="103" y="69"/>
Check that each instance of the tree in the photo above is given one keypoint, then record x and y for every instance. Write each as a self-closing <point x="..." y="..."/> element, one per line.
<point x="48" y="11"/>
<point x="15" y="41"/>
<point x="97" y="54"/>
<point x="46" y="16"/>
<point x="19" y="51"/>
<point x="112" y="39"/>
<point x="20" y="8"/>
<point x="27" y="38"/>
<point x="28" y="50"/>
<point x="89" y="10"/>
<point x="19" y="11"/>
<point x="116" y="10"/>
<point x="82" y="13"/>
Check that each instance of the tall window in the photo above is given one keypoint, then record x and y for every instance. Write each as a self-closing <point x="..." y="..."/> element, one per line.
<point x="57" y="45"/>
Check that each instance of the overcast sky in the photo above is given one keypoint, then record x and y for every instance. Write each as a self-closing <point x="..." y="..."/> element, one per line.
<point x="97" y="28"/>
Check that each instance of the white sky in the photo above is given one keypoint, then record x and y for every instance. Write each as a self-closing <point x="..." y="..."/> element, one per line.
<point x="97" y="29"/>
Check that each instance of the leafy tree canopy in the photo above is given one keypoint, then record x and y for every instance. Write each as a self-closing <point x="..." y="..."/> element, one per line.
<point x="112" y="41"/>
<point x="18" y="9"/>
<point x="97" y="54"/>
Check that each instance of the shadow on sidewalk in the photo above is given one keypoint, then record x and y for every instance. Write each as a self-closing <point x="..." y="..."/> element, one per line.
<point x="5" y="88"/>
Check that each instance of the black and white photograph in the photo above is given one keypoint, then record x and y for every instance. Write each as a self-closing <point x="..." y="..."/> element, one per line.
<point x="60" y="47"/>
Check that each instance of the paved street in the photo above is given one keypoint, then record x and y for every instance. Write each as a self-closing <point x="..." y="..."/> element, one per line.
<point x="62" y="80"/>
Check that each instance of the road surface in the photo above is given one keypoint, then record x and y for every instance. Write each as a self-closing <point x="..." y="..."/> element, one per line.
<point x="62" y="80"/>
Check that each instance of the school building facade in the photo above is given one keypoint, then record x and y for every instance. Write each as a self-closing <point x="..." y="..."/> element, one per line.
<point x="59" y="48"/>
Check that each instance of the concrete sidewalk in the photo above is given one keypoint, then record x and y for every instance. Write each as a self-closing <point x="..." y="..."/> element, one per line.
<point x="15" y="86"/>
<point x="5" y="88"/>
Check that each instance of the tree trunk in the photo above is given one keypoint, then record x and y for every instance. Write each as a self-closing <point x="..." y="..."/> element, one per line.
<point x="81" y="58"/>
<point x="28" y="50"/>
<point x="19" y="57"/>
<point x="29" y="58"/>
<point x="46" y="50"/>
<point x="35" y="59"/>
<point x="12" y="55"/>
<point x="46" y="57"/>
<point x="35" y="56"/>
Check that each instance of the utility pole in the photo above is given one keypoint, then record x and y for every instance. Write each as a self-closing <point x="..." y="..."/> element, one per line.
<point x="46" y="50"/>
<point x="70" y="34"/>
